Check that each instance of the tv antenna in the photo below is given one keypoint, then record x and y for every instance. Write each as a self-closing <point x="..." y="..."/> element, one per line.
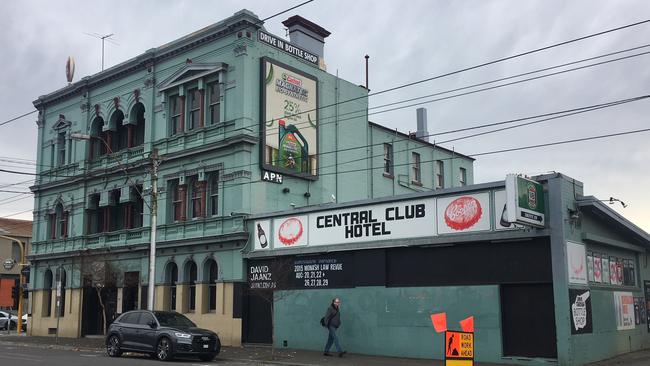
<point x="106" y="37"/>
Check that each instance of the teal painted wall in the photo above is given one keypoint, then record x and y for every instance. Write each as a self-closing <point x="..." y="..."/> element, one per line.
<point x="390" y="321"/>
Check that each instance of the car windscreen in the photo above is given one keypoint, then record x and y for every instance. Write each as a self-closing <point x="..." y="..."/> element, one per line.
<point x="173" y="320"/>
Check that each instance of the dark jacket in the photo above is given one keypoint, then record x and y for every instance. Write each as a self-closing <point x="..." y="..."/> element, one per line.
<point x="333" y="317"/>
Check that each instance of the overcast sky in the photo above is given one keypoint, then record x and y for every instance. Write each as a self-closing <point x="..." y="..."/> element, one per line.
<point x="407" y="41"/>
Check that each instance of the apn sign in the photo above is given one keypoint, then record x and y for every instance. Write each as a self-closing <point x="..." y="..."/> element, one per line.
<point x="271" y="177"/>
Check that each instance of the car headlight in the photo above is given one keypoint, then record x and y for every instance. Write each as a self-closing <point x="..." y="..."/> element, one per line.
<point x="182" y="335"/>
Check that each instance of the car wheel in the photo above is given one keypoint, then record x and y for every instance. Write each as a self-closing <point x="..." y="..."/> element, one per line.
<point x="164" y="349"/>
<point x="113" y="346"/>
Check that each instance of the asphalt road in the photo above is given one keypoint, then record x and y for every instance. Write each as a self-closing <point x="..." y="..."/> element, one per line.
<point x="12" y="355"/>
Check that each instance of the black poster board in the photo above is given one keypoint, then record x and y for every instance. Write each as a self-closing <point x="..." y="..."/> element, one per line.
<point x="580" y="310"/>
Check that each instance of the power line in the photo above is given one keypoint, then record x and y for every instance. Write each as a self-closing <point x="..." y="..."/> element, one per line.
<point x="17" y="118"/>
<point x="9" y="191"/>
<point x="284" y="11"/>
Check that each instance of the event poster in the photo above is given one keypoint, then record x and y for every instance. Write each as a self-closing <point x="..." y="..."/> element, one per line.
<point x="624" y="307"/>
<point x="590" y="267"/>
<point x="576" y="263"/>
<point x="597" y="268"/>
<point x="605" y="263"/>
<point x="646" y="292"/>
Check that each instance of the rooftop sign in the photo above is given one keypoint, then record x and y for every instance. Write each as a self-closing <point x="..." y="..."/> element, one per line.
<point x="287" y="47"/>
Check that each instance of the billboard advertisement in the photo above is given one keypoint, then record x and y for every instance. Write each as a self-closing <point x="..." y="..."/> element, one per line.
<point x="289" y="120"/>
<point x="525" y="201"/>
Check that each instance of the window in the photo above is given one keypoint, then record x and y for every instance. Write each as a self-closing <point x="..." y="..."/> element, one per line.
<point x="47" y="293"/>
<point x="95" y="215"/>
<point x="15" y="251"/>
<point x="415" y="161"/>
<point x="463" y="176"/>
<point x="195" y="109"/>
<point x="215" y="103"/>
<point x="388" y="159"/>
<point x="60" y="148"/>
<point x="62" y="278"/>
<point x="146" y="319"/>
<point x="172" y="278"/>
<point x="440" y="174"/>
<point x="177" y="201"/>
<point x="131" y="318"/>
<point x="58" y="223"/>
<point x="214" y="194"/>
<point x="175" y="113"/>
<point x="198" y="199"/>
<point x="191" y="293"/>
<point x="212" y="285"/>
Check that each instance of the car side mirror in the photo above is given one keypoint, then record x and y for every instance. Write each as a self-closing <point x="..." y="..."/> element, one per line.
<point x="152" y="324"/>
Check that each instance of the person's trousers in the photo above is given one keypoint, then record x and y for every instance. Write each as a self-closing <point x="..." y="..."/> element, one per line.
<point x="332" y="338"/>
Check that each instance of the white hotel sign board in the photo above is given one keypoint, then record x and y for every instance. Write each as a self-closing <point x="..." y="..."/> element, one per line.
<point x="394" y="220"/>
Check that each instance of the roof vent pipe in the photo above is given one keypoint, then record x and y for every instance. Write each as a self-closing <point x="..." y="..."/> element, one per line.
<point x="423" y="131"/>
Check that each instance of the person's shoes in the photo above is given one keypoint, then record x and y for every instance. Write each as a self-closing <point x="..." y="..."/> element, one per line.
<point x="342" y="353"/>
<point x="327" y="354"/>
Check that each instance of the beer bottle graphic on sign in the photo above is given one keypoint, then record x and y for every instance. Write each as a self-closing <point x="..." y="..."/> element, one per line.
<point x="293" y="148"/>
<point x="261" y="235"/>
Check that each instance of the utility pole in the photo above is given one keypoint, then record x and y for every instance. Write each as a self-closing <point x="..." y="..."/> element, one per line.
<point x="155" y="162"/>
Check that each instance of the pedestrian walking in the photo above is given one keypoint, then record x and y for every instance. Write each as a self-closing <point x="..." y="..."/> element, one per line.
<point x="332" y="321"/>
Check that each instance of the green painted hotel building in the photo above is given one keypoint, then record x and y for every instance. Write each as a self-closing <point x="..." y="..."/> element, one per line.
<point x="273" y="187"/>
<point x="239" y="122"/>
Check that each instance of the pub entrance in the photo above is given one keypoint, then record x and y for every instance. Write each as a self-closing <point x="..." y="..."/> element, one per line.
<point x="256" y="321"/>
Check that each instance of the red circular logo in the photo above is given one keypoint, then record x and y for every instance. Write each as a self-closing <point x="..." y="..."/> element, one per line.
<point x="463" y="213"/>
<point x="290" y="231"/>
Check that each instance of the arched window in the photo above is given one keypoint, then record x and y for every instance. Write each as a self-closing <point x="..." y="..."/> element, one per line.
<point x="121" y="140"/>
<point x="212" y="275"/>
<point x="62" y="278"/>
<point x="172" y="278"/>
<point x="137" y="116"/>
<point x="190" y="272"/>
<point x="58" y="222"/>
<point x="98" y="138"/>
<point x="47" y="293"/>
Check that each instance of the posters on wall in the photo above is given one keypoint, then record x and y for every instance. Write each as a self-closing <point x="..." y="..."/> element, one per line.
<point x="606" y="275"/>
<point x="598" y="271"/>
<point x="580" y="303"/>
<point x="624" y="307"/>
<point x="290" y="118"/>
<point x="590" y="267"/>
<point x="466" y="213"/>
<point x="646" y="292"/>
<point x="576" y="263"/>
<point x="639" y="310"/>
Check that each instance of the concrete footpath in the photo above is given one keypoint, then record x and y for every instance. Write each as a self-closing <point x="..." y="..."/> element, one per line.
<point x="287" y="357"/>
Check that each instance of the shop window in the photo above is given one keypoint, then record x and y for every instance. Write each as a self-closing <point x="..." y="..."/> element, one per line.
<point x="213" y="276"/>
<point x="215" y="103"/>
<point x="62" y="278"/>
<point x="191" y="293"/>
<point x="175" y="114"/>
<point x="214" y="194"/>
<point x="440" y="174"/>
<point x="172" y="279"/>
<point x="415" y="166"/>
<point x="47" y="293"/>
<point x="462" y="175"/>
<point x="388" y="159"/>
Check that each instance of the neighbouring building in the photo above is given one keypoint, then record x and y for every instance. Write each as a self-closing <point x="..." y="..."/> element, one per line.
<point x="238" y="122"/>
<point x="567" y="285"/>
<point x="10" y="258"/>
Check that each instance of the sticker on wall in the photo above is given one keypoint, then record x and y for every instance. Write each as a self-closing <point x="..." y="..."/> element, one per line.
<point x="624" y="307"/>
<point x="290" y="232"/>
<point x="576" y="263"/>
<point x="580" y="302"/>
<point x="261" y="237"/>
<point x="463" y="213"/>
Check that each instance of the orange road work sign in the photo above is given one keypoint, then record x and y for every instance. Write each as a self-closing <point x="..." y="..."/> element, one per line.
<point x="459" y="346"/>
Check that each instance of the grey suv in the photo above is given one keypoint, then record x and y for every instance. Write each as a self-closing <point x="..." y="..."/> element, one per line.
<point x="161" y="334"/>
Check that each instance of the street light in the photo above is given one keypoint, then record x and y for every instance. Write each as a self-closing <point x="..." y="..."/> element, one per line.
<point x="21" y="280"/>
<point x="155" y="162"/>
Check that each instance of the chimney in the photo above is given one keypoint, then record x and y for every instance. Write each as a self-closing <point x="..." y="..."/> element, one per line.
<point x="422" y="133"/>
<point x="307" y="35"/>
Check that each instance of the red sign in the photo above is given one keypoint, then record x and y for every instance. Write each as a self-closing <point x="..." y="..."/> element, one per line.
<point x="6" y="284"/>
<point x="459" y="345"/>
<point x="463" y="213"/>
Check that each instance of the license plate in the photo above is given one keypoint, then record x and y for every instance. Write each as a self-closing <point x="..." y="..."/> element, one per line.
<point x="206" y="346"/>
